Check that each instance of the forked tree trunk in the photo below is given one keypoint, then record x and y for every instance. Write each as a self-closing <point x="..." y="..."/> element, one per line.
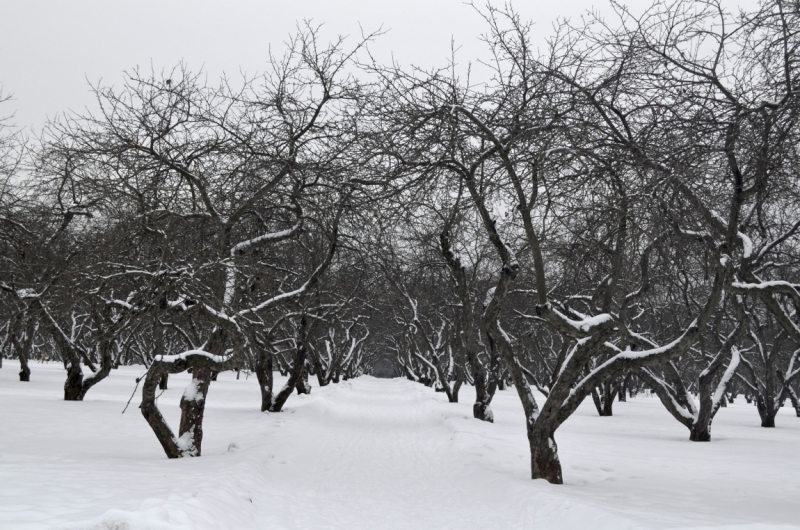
<point x="603" y="398"/>
<point x="296" y="371"/>
<point x="700" y="431"/>
<point x="481" y="409"/>
<point x="189" y="440"/>
<point x="76" y="386"/>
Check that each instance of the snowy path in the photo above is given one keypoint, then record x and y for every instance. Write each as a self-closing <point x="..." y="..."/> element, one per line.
<point x="373" y="454"/>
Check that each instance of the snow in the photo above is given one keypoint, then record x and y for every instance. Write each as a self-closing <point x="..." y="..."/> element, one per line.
<point x="377" y="454"/>
<point x="747" y="245"/>
<point x="591" y="322"/>
<point x="489" y="295"/>
<point x="727" y="376"/>
<point x="586" y="324"/>
<point x="184" y="355"/>
<point x="274" y="236"/>
<point x="192" y="393"/>
<point x="764" y="285"/>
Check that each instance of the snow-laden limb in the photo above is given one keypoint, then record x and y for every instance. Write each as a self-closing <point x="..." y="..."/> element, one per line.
<point x="747" y="245"/>
<point x="772" y="286"/>
<point x="489" y="296"/>
<point x="311" y="282"/>
<point x="273" y="237"/>
<point x="630" y="358"/>
<point x="275" y="300"/>
<point x="578" y="344"/>
<point x="587" y="324"/>
<point x="191" y="353"/>
<point x="120" y="303"/>
<point x="22" y="294"/>
<point x="577" y="329"/>
<point x="719" y="393"/>
<point x="719" y="219"/>
<point x="266" y="238"/>
<point x="791" y="372"/>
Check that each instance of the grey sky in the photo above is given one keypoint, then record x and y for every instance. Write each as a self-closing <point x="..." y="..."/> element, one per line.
<point x="48" y="49"/>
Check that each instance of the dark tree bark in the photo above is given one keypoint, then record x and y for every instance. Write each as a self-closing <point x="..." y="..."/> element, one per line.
<point x="193" y="406"/>
<point x="296" y="372"/>
<point x="190" y="434"/>
<point x="264" y="374"/>
<point x="77" y="385"/>
<point x="303" y="386"/>
<point x="794" y="399"/>
<point x="24" y="348"/>
<point x="469" y="335"/>
<point x="766" y="410"/>
<point x="603" y="397"/>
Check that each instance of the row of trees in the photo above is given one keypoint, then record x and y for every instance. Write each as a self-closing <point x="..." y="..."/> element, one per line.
<point x="617" y="210"/>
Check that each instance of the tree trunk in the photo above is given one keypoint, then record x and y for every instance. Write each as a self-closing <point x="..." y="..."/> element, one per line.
<point x="163" y="382"/>
<point x="193" y="405"/>
<point x="296" y="371"/>
<point x="25" y="371"/>
<point x="322" y="376"/>
<point x="481" y="409"/>
<point x="700" y="431"/>
<point x="303" y="386"/>
<point x="73" y="386"/>
<point x="765" y="411"/>
<point x="608" y="399"/>
<point x="264" y="373"/>
<point x="468" y="333"/>
<point x="603" y="398"/>
<point x="624" y="384"/>
<point x="24" y="349"/>
<point x="544" y="457"/>
<point x="453" y="397"/>
<point x="153" y="415"/>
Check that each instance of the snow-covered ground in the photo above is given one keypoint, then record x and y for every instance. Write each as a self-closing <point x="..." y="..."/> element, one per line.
<point x="374" y="454"/>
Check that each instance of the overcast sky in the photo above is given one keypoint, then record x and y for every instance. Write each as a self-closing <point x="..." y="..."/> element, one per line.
<point x="49" y="49"/>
